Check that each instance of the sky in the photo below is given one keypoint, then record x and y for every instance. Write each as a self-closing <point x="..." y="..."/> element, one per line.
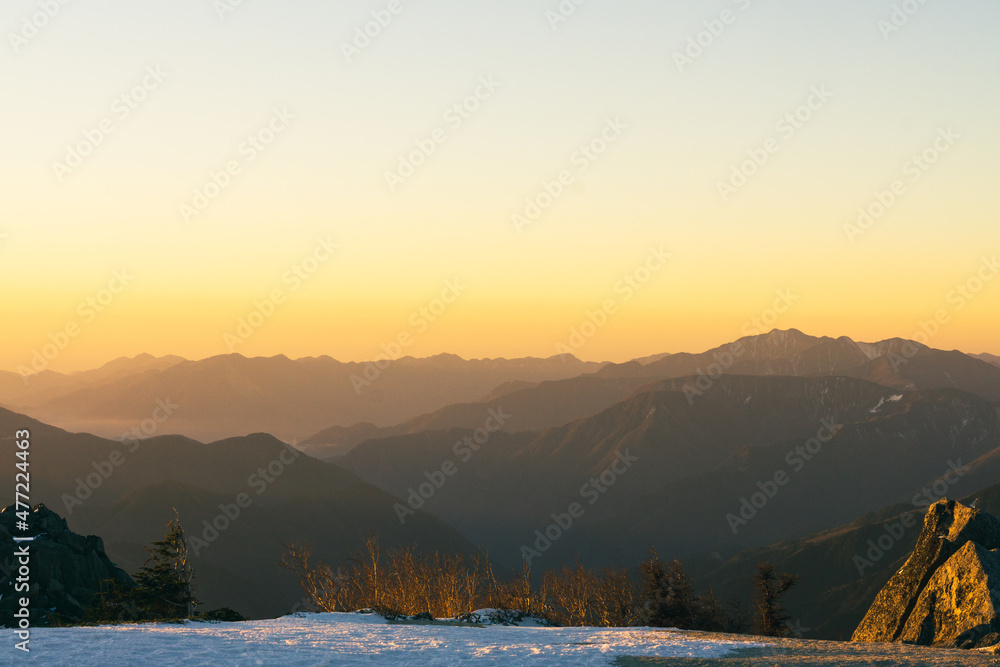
<point x="493" y="179"/>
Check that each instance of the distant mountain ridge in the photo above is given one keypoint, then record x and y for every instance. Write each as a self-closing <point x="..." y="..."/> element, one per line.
<point x="231" y="394"/>
<point x="988" y="358"/>
<point x="334" y="406"/>
<point x="894" y="362"/>
<point x="47" y="384"/>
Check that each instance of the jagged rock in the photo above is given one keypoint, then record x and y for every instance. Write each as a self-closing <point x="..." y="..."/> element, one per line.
<point x="67" y="571"/>
<point x="959" y="605"/>
<point x="945" y="594"/>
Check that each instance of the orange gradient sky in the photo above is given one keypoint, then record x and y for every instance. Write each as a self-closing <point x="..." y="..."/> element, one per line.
<point x="889" y="95"/>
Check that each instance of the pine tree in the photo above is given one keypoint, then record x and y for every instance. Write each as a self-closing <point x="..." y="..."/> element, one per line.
<point x="668" y="598"/>
<point x="770" y="617"/>
<point x="165" y="582"/>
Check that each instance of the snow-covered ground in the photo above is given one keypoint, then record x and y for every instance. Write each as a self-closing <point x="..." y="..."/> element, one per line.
<point x="349" y="639"/>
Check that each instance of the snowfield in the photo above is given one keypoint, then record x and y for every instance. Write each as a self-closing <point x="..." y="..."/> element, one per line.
<point x="350" y="639"/>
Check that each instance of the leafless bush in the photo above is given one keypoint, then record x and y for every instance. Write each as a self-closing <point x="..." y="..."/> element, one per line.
<point x="405" y="582"/>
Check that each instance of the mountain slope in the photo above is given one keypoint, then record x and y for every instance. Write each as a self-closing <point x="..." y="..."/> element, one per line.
<point x="988" y="358"/>
<point x="691" y="465"/>
<point x="244" y="498"/>
<point x="507" y="486"/>
<point x="526" y="406"/>
<point x="885" y="458"/>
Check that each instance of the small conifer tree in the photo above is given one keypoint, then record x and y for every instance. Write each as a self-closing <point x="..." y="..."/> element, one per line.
<point x="165" y="582"/>
<point x="770" y="617"/>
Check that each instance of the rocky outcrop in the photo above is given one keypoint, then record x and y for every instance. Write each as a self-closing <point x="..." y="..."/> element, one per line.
<point x="67" y="571"/>
<point x="948" y="591"/>
<point x="959" y="606"/>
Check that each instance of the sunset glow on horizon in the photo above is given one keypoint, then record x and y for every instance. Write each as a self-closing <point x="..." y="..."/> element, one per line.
<point x="267" y="179"/>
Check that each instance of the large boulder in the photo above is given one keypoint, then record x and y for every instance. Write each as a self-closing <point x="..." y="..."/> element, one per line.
<point x="946" y="593"/>
<point x="67" y="572"/>
<point x="959" y="606"/>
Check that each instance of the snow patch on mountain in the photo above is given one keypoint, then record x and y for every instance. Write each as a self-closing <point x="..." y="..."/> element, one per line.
<point x="882" y="401"/>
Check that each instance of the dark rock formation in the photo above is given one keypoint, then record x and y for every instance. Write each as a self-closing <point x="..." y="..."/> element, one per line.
<point x="67" y="572"/>
<point x="948" y="592"/>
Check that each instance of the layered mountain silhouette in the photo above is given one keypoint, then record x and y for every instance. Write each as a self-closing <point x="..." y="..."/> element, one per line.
<point x="531" y="407"/>
<point x="767" y="448"/>
<point x="46" y="385"/>
<point x="336" y="405"/>
<point x="898" y="363"/>
<point x="833" y="440"/>
<point x="233" y="395"/>
<point x="242" y="499"/>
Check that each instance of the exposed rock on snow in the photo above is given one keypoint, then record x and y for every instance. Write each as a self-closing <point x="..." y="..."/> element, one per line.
<point x="948" y="592"/>
<point x="67" y="570"/>
<point x="959" y="606"/>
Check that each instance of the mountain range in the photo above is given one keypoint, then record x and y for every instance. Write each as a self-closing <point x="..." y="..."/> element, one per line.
<point x="777" y="446"/>
<point x="232" y="395"/>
